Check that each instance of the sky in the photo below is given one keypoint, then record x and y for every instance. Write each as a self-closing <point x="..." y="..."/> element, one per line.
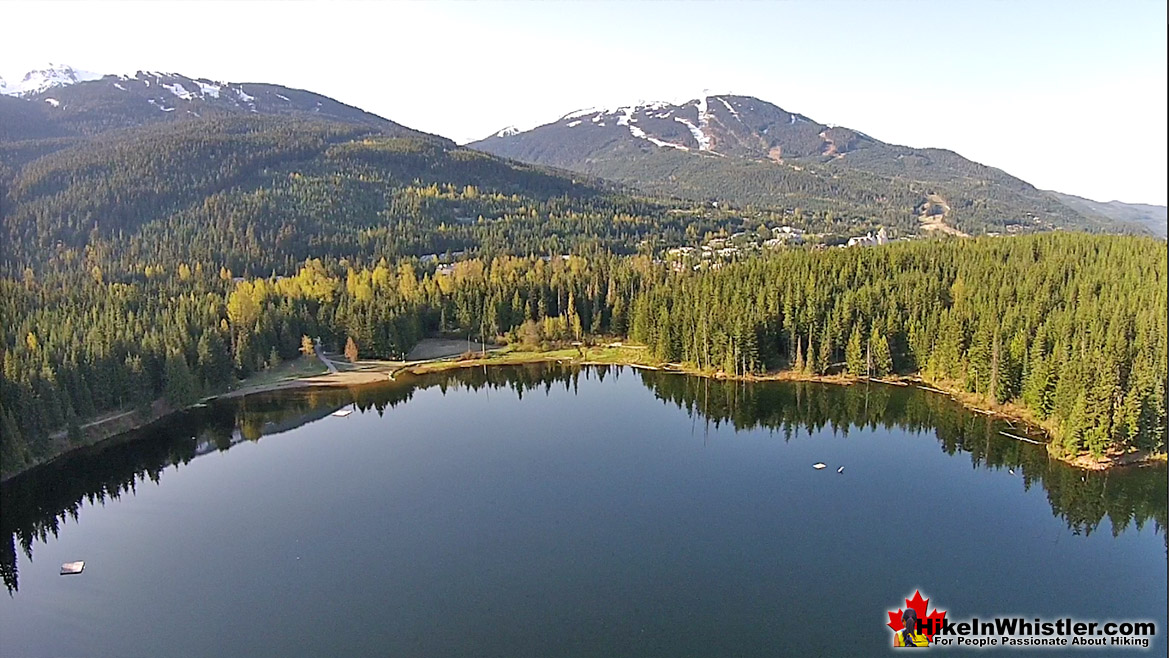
<point x="1067" y="95"/>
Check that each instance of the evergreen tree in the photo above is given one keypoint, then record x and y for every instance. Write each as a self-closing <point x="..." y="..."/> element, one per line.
<point x="854" y="356"/>
<point x="181" y="387"/>
<point x="882" y="357"/>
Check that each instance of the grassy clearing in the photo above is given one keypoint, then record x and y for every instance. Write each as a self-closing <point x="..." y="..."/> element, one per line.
<point x="581" y="355"/>
<point x="298" y="368"/>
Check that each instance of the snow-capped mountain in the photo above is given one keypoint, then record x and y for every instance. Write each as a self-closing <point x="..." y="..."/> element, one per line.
<point x="745" y="150"/>
<point x="61" y="101"/>
<point x="714" y="125"/>
<point x="53" y="75"/>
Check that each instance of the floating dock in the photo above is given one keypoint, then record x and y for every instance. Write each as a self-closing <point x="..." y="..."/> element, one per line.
<point x="342" y="412"/>
<point x="72" y="567"/>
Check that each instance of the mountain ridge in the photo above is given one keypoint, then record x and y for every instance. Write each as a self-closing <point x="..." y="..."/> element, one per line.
<point x="52" y="75"/>
<point x="1149" y="216"/>
<point x="728" y="148"/>
<point x="61" y="102"/>
<point x="743" y="150"/>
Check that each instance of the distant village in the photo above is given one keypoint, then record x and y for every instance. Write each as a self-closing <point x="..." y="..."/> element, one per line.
<point x="716" y="251"/>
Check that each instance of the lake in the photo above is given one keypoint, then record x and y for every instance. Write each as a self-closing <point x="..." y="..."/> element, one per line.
<point x="546" y="511"/>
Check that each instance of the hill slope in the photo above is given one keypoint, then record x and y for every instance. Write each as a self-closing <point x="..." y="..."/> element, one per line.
<point x="60" y="102"/>
<point x="744" y="150"/>
<point x="138" y="171"/>
<point x="1149" y="217"/>
<point x="259" y="193"/>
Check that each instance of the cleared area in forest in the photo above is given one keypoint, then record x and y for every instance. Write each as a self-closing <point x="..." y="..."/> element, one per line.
<point x="441" y="348"/>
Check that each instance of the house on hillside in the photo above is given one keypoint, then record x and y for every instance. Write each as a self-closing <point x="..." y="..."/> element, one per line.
<point x="788" y="234"/>
<point x="870" y="240"/>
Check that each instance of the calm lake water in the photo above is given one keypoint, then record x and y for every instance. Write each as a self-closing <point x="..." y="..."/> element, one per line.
<point x="533" y="511"/>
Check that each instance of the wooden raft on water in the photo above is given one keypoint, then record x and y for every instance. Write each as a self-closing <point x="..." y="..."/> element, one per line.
<point x="72" y="567"/>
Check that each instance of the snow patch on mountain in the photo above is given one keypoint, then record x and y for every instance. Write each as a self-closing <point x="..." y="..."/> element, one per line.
<point x="699" y="136"/>
<point x="640" y="134"/>
<point x="208" y="89"/>
<point x="731" y="109"/>
<point x="599" y="114"/>
<point x="508" y="132"/>
<point x="178" y="90"/>
<point x="53" y="75"/>
<point x="579" y="113"/>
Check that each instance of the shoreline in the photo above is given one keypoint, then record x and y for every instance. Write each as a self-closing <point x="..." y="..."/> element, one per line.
<point x="628" y="357"/>
<point x="367" y="372"/>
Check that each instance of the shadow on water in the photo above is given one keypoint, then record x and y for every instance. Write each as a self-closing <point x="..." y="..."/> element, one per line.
<point x="34" y="505"/>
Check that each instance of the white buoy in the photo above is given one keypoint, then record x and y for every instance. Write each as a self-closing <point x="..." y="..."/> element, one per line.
<point x="819" y="466"/>
<point x="72" y="567"/>
<point x="840" y="470"/>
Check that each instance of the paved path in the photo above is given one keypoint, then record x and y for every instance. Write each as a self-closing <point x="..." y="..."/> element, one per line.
<point x="324" y="359"/>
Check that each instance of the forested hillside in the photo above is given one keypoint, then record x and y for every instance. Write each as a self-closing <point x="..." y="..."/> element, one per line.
<point x="1045" y="321"/>
<point x="169" y="259"/>
<point x="254" y="193"/>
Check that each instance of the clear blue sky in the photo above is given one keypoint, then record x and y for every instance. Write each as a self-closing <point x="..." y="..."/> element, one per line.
<point x="1066" y="95"/>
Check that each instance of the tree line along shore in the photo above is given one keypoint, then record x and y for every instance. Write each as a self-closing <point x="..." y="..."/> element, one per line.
<point x="1067" y="331"/>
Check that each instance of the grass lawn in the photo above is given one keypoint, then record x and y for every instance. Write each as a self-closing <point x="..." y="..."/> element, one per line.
<point x="294" y="369"/>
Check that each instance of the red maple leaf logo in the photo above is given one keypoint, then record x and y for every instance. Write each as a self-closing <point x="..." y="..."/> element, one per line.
<point x="919" y="606"/>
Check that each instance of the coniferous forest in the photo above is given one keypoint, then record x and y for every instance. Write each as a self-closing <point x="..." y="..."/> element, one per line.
<point x="167" y="261"/>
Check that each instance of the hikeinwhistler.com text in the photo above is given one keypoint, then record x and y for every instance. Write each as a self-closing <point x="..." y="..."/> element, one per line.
<point x="1018" y="632"/>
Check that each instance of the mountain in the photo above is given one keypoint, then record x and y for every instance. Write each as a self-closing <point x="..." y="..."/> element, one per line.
<point x="1148" y="217"/>
<point x="160" y="168"/>
<point x="61" y="101"/>
<point x="743" y="150"/>
<point x="38" y="80"/>
<point x="262" y="193"/>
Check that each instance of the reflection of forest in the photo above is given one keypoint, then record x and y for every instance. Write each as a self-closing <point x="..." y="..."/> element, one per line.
<point x="1125" y="497"/>
<point x="34" y="505"/>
